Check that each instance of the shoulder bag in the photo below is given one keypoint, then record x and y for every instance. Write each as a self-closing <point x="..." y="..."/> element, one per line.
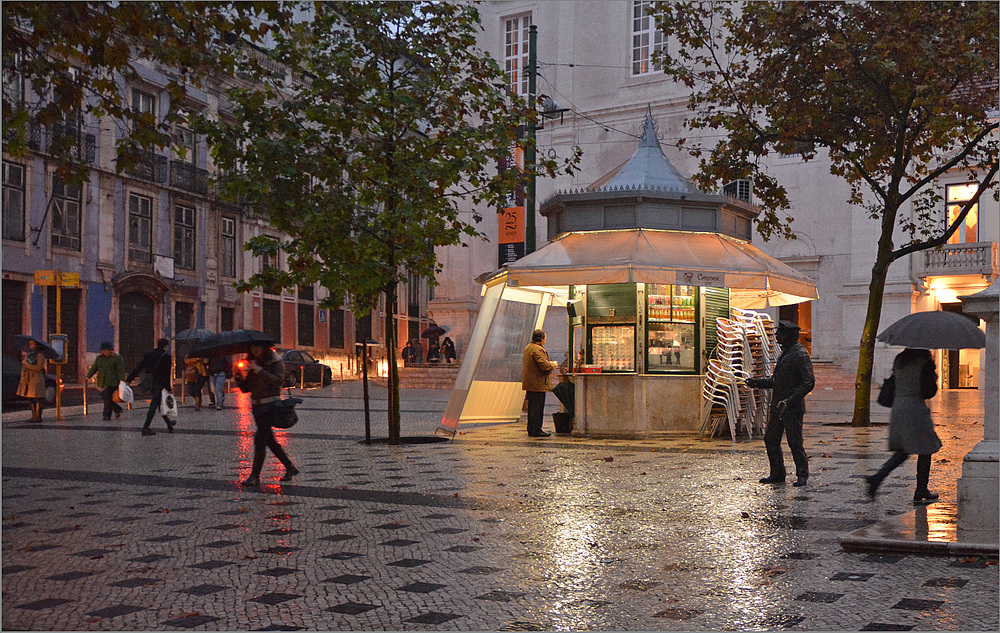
<point x="888" y="391"/>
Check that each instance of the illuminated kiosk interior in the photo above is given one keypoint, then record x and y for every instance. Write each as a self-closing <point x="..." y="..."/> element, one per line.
<point x="643" y="263"/>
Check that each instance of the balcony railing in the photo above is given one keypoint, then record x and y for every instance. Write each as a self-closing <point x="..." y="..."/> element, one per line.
<point x="188" y="177"/>
<point x="972" y="258"/>
<point x="217" y="191"/>
<point x="83" y="147"/>
<point x="33" y="133"/>
<point x="151" y="167"/>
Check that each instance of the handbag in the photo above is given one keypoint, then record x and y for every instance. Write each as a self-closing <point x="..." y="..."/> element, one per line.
<point x="283" y="414"/>
<point x="888" y="391"/>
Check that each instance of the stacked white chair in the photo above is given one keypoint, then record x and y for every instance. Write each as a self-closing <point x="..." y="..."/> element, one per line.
<point x="747" y="348"/>
<point x="721" y="391"/>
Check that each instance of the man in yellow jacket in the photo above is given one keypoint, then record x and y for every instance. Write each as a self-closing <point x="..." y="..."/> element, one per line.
<point x="535" y="380"/>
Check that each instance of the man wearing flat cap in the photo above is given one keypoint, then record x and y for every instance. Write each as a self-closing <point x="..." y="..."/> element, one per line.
<point x="791" y="382"/>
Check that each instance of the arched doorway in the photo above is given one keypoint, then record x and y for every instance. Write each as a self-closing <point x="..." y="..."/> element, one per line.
<point x="136" y="327"/>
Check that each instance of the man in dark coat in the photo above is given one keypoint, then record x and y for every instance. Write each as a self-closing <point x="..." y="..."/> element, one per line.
<point x="791" y="382"/>
<point x="157" y="364"/>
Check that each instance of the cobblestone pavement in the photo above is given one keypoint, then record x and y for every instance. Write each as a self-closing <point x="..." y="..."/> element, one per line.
<point x="104" y="529"/>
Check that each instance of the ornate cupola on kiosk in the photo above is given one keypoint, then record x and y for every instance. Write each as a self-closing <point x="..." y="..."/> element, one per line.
<point x="647" y="192"/>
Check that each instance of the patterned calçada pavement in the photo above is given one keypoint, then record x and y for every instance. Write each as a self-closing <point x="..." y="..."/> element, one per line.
<point x="104" y="529"/>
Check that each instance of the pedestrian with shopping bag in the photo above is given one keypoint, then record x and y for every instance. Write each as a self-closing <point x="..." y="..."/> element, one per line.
<point x="110" y="370"/>
<point x="156" y="364"/>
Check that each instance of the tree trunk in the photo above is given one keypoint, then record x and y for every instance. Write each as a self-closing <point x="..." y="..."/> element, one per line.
<point x="866" y="351"/>
<point x="390" y="345"/>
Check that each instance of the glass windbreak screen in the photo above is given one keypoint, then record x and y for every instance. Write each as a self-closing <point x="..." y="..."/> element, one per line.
<point x="503" y="350"/>
<point x="613" y="347"/>
<point x="671" y="347"/>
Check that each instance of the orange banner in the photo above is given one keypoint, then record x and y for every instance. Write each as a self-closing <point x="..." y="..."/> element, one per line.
<point x="511" y="227"/>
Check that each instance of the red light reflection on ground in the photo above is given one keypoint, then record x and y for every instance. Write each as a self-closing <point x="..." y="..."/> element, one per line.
<point x="245" y="429"/>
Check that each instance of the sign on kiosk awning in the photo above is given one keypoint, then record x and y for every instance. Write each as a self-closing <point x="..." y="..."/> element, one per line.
<point x="664" y="257"/>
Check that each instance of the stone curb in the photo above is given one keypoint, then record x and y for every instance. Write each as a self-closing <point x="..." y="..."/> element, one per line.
<point x="852" y="543"/>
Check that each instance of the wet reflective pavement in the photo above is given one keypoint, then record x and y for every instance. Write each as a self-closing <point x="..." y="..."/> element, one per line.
<point x="104" y="529"/>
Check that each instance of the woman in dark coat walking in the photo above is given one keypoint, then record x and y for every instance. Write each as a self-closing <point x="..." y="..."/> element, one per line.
<point x="911" y="429"/>
<point x="262" y="377"/>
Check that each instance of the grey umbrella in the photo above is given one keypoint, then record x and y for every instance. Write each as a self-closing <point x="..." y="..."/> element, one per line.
<point x="934" y="330"/>
<point x="194" y="334"/>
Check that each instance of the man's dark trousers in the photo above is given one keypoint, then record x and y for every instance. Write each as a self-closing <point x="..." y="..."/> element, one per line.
<point x="789" y="423"/>
<point x="536" y="411"/>
<point x="155" y="399"/>
<point x="110" y="406"/>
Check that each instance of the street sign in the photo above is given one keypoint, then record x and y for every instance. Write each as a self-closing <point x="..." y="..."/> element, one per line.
<point x="48" y="278"/>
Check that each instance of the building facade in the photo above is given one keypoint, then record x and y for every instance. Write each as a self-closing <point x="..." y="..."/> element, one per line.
<point x="156" y="249"/>
<point x="594" y="59"/>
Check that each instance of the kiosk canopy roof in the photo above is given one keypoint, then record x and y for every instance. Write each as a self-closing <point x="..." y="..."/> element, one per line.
<point x="663" y="257"/>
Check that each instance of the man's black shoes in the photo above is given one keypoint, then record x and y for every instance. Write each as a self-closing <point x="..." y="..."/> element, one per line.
<point x="539" y="434"/>
<point x="772" y="480"/>
<point x="799" y="482"/>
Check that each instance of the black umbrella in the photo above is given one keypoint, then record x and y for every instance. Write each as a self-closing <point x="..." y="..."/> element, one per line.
<point x="194" y="334"/>
<point x="20" y="341"/>
<point x="433" y="331"/>
<point x="226" y="343"/>
<point x="934" y="330"/>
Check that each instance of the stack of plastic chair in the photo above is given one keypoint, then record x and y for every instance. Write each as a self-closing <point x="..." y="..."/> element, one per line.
<point x="764" y="351"/>
<point x="722" y="393"/>
<point x="736" y="358"/>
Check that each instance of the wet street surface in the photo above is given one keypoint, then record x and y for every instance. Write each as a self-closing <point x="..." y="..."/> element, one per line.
<point x="104" y="529"/>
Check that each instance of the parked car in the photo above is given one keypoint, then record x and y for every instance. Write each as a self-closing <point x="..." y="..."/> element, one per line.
<point x="12" y="376"/>
<point x="299" y="365"/>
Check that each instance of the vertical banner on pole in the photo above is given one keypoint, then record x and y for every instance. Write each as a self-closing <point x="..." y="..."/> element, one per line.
<point x="510" y="241"/>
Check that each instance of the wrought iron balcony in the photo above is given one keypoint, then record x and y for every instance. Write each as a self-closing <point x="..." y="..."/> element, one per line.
<point x="33" y="131"/>
<point x="148" y="166"/>
<point x="83" y="146"/>
<point x="220" y="182"/>
<point x="972" y="258"/>
<point x="188" y="177"/>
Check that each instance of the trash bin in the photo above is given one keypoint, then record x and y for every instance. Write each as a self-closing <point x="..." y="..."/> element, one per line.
<point x="563" y="422"/>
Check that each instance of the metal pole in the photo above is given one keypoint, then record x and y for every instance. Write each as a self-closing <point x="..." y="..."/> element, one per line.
<point x="529" y="151"/>
<point x="302" y="377"/>
<point x="59" y="331"/>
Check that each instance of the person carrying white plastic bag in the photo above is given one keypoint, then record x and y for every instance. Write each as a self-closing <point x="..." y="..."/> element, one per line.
<point x="125" y="392"/>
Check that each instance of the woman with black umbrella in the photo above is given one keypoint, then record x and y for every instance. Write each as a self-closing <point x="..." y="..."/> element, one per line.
<point x="32" y="384"/>
<point x="911" y="429"/>
<point x="262" y="377"/>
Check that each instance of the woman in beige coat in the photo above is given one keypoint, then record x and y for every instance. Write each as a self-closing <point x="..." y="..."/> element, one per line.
<point x="32" y="384"/>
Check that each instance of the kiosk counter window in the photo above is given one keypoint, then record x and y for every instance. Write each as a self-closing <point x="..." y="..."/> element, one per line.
<point x="671" y="338"/>
<point x="613" y="347"/>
